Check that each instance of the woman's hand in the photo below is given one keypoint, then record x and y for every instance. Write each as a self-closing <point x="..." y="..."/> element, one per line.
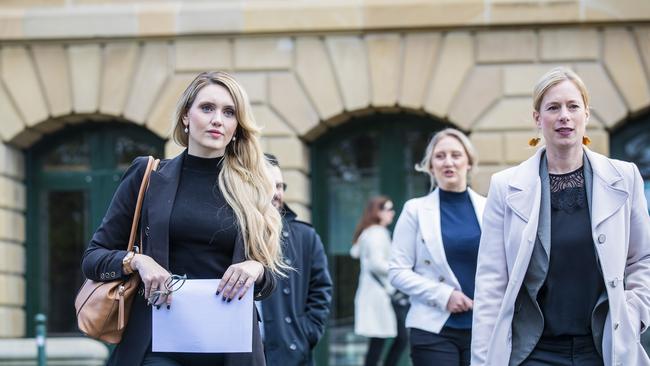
<point x="459" y="302"/>
<point x="153" y="277"/>
<point x="239" y="278"/>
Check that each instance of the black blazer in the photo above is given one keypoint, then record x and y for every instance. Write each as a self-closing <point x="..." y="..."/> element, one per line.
<point x="102" y="260"/>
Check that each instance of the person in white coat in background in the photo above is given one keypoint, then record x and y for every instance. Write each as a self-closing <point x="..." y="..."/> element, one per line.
<point x="564" y="263"/>
<point x="374" y="314"/>
<point x="433" y="259"/>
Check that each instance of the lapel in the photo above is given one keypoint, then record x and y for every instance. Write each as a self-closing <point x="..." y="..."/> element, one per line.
<point x="162" y="193"/>
<point x="608" y="193"/>
<point x="429" y="222"/>
<point x="478" y="202"/>
<point x="544" y="224"/>
<point x="524" y="188"/>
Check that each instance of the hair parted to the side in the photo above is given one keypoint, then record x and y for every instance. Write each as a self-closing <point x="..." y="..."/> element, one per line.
<point x="554" y="77"/>
<point x="424" y="166"/>
<point x="370" y="215"/>
<point x="244" y="179"/>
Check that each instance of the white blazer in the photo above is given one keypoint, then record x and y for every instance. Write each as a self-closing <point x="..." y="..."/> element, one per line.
<point x="373" y="313"/>
<point x="620" y="228"/>
<point x="418" y="265"/>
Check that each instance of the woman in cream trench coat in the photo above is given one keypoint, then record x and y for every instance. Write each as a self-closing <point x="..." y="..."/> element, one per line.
<point x="374" y="315"/>
<point x="620" y="228"/>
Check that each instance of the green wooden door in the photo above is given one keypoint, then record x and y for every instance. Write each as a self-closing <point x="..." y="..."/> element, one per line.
<point x="71" y="177"/>
<point x="365" y="157"/>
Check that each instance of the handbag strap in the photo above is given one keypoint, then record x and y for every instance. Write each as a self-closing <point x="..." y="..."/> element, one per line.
<point x="379" y="281"/>
<point x="152" y="164"/>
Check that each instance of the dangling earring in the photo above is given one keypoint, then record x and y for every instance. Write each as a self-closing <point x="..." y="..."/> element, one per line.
<point x="187" y="130"/>
<point x="586" y="140"/>
<point x="234" y="138"/>
<point x="534" y="141"/>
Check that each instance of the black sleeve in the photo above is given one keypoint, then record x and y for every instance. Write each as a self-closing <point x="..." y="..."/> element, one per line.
<point x="266" y="288"/>
<point x="319" y="295"/>
<point x="102" y="260"/>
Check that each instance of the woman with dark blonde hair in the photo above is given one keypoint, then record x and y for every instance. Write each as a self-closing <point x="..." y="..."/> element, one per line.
<point x="207" y="214"/>
<point x="375" y="315"/>
<point x="435" y="246"/>
<point x="564" y="261"/>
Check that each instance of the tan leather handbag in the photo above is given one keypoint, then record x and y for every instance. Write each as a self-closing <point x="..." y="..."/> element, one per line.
<point x="103" y="307"/>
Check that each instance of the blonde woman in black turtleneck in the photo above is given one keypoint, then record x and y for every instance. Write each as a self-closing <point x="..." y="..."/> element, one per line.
<point x="207" y="214"/>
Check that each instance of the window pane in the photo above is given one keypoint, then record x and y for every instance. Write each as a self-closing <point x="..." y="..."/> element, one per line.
<point x="637" y="150"/>
<point x="66" y="215"/>
<point x="74" y="155"/>
<point x="127" y="148"/>
<point x="417" y="184"/>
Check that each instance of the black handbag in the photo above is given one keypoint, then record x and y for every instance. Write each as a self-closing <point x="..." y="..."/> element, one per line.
<point x="397" y="298"/>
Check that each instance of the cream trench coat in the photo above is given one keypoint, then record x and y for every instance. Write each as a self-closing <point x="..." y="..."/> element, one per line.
<point x="621" y="233"/>
<point x="373" y="313"/>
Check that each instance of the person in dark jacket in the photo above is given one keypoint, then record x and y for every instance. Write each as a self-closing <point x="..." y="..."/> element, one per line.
<point x="192" y="219"/>
<point x="295" y="315"/>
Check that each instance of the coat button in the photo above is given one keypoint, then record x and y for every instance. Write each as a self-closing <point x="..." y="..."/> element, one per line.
<point x="146" y="231"/>
<point x="613" y="282"/>
<point x="601" y="239"/>
<point x="293" y="347"/>
<point x="285" y="234"/>
<point x="288" y="261"/>
<point x="427" y="262"/>
<point x="286" y="291"/>
<point x="441" y="279"/>
<point x="287" y="320"/>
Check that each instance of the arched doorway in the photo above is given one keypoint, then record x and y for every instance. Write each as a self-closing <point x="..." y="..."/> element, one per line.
<point x="71" y="177"/>
<point x="367" y="156"/>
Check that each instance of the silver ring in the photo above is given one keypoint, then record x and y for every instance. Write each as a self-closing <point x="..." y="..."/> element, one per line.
<point x="241" y="282"/>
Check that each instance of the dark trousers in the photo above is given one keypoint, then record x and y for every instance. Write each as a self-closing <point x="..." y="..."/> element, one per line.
<point x="376" y="345"/>
<point x="450" y="347"/>
<point x="564" y="351"/>
<point x="183" y="359"/>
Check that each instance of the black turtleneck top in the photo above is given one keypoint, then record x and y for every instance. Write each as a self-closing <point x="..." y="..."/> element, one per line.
<point x="202" y="227"/>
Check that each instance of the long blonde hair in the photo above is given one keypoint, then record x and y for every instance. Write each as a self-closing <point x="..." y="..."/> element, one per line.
<point x="244" y="179"/>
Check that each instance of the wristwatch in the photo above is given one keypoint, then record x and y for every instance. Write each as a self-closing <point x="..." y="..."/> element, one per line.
<point x="126" y="263"/>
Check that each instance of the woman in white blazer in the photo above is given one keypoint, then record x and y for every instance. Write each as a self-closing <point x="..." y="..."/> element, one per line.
<point x="374" y="316"/>
<point x="434" y="253"/>
<point x="564" y="260"/>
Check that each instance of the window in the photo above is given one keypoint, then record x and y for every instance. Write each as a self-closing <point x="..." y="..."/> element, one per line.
<point x="71" y="177"/>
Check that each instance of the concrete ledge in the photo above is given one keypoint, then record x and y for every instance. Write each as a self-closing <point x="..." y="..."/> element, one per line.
<point x="60" y="352"/>
<point x="130" y="18"/>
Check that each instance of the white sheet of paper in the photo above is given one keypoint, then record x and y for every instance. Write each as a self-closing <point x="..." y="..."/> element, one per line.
<point x="200" y="321"/>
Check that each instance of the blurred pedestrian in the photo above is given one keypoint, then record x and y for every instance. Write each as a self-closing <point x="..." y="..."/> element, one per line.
<point x="376" y="316"/>
<point x="295" y="315"/>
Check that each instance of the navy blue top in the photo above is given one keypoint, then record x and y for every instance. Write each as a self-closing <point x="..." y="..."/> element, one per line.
<point x="461" y="234"/>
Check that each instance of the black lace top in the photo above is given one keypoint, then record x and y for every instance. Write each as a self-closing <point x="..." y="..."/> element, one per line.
<point x="573" y="282"/>
<point x="568" y="191"/>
